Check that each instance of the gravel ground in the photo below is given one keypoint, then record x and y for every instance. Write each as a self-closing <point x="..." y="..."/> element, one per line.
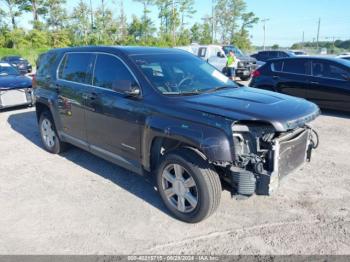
<point x="76" y="203"/>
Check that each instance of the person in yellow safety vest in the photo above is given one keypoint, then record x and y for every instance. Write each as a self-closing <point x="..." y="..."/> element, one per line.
<point x="231" y="65"/>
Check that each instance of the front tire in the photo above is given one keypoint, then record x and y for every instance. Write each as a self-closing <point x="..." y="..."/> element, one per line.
<point x="188" y="185"/>
<point x="48" y="134"/>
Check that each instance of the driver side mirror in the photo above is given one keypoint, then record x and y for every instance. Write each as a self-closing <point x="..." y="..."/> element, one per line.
<point x="127" y="87"/>
<point x="221" y="55"/>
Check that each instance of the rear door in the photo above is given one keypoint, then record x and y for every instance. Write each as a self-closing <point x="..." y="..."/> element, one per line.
<point x="293" y="79"/>
<point x="72" y="85"/>
<point x="329" y="86"/>
<point x="113" y="118"/>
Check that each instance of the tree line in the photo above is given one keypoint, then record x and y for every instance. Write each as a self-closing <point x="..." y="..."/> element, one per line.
<point x="52" y="25"/>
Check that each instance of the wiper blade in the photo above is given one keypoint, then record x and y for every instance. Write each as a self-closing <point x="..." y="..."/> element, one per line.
<point x="218" y="88"/>
<point x="194" y="92"/>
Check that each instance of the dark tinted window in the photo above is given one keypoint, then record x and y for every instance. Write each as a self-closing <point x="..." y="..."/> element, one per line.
<point x="76" y="67"/>
<point x="296" y="67"/>
<point x="202" y="52"/>
<point x="282" y="54"/>
<point x="277" y="66"/>
<point x="45" y="64"/>
<point x="273" y="54"/>
<point x="109" y="71"/>
<point x="328" y="70"/>
<point x="263" y="56"/>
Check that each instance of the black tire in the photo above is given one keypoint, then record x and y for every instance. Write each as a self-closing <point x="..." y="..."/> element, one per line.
<point x="58" y="146"/>
<point x="208" y="186"/>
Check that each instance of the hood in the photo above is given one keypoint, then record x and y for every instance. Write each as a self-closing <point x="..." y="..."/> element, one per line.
<point x="250" y="104"/>
<point x="14" y="82"/>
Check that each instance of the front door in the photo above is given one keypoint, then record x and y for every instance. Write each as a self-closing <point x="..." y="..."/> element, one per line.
<point x="330" y="85"/>
<point x="113" y="119"/>
<point x="74" y="79"/>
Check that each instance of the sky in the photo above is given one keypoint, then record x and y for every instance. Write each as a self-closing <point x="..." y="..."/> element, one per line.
<point x="288" y="19"/>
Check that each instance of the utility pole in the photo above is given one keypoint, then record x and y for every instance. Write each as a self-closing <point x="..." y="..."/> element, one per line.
<point x="303" y="40"/>
<point x="213" y="22"/>
<point x="264" y="27"/>
<point x="318" y="32"/>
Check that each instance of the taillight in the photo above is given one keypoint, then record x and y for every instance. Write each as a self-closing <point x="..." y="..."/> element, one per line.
<point x="33" y="81"/>
<point x="256" y="73"/>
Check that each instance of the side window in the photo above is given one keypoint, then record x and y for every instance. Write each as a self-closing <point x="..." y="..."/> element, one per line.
<point x="282" y="54"/>
<point x="45" y="64"/>
<point x="202" y="51"/>
<point x="273" y="54"/>
<point x="110" y="71"/>
<point x="296" y="67"/>
<point x="76" y="67"/>
<point x="337" y="72"/>
<point x="277" y="66"/>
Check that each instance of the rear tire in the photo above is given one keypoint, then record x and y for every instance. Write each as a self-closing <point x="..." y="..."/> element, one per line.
<point x="189" y="187"/>
<point x="49" y="135"/>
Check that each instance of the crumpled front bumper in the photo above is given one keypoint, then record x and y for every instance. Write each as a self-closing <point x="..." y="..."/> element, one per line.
<point x="289" y="153"/>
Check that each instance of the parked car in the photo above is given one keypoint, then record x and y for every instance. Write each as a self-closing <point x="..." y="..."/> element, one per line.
<point x="217" y="56"/>
<point x="20" y="63"/>
<point x="346" y="57"/>
<point x="15" y="89"/>
<point x="265" y="56"/>
<point x="167" y="113"/>
<point x="325" y="81"/>
<point x="298" y="52"/>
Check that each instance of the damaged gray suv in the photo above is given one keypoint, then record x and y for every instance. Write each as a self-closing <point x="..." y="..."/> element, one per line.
<point x="168" y="114"/>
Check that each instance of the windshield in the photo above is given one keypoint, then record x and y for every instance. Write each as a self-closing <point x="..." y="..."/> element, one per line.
<point x="181" y="73"/>
<point x="236" y="51"/>
<point x="7" y="70"/>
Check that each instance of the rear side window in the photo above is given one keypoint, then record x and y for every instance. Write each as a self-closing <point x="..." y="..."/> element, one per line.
<point x="296" y="67"/>
<point x="277" y="66"/>
<point x="45" y="64"/>
<point x="202" y="51"/>
<point x="76" y="67"/>
<point x="110" y="71"/>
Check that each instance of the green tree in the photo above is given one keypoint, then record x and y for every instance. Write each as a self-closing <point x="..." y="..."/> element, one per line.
<point x="228" y="13"/>
<point x="12" y="10"/>
<point x="195" y="33"/>
<point x="80" y="23"/>
<point x="206" y="37"/>
<point x="275" y="47"/>
<point x="186" y="8"/>
<point x="38" y="38"/>
<point x="37" y="8"/>
<point x="147" y="28"/>
<point x="123" y="26"/>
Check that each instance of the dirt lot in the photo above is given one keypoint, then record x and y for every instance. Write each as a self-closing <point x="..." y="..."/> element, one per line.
<point x="77" y="203"/>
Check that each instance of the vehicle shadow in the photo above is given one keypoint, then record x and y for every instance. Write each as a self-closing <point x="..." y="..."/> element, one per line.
<point x="140" y="186"/>
<point x="333" y="113"/>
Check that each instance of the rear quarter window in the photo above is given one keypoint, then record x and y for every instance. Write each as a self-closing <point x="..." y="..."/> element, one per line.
<point x="277" y="66"/>
<point x="76" y="67"/>
<point x="46" y="65"/>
